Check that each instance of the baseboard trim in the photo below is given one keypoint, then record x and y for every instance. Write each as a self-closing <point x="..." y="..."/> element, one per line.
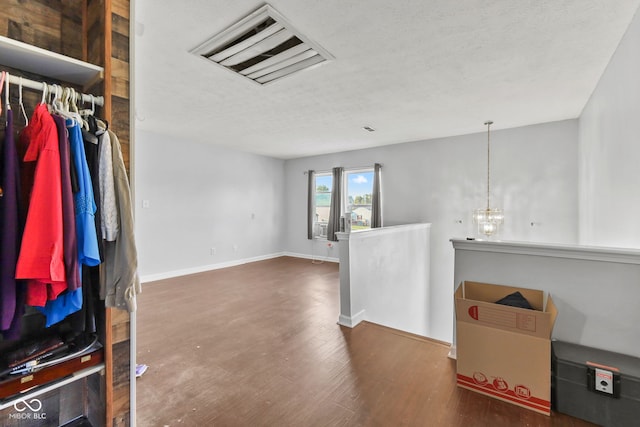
<point x="351" y="322"/>
<point x="452" y="352"/>
<point x="311" y="257"/>
<point x="201" y="269"/>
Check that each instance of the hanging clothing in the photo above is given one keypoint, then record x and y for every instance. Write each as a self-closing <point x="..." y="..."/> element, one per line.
<point x="15" y="329"/>
<point x="68" y="212"/>
<point x="87" y="318"/>
<point x="41" y="258"/>
<point x="85" y="206"/>
<point x="71" y="301"/>
<point x="84" y="320"/>
<point x="65" y="304"/>
<point x="10" y="226"/>
<point x="91" y="147"/>
<point x="109" y="209"/>
<point x="121" y="282"/>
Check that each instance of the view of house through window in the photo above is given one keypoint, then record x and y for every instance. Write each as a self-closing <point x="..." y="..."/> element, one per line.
<point x="359" y="189"/>
<point x="357" y="193"/>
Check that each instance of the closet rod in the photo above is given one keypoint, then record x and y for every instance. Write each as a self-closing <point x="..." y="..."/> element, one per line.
<point x="33" y="84"/>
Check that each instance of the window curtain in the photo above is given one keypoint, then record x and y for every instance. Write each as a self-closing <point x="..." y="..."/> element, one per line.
<point x="311" y="191"/>
<point x="335" y="208"/>
<point x="376" y="203"/>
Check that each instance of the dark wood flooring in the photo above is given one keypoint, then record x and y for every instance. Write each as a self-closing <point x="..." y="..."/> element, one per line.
<point x="258" y="345"/>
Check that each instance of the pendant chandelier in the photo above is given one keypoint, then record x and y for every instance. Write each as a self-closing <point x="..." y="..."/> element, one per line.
<point x="488" y="219"/>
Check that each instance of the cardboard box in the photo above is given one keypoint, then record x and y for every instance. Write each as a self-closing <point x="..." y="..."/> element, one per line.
<point x="503" y="351"/>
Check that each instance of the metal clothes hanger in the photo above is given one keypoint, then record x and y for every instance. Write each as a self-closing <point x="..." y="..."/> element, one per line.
<point x="96" y="125"/>
<point x="56" y="103"/>
<point x="45" y="89"/>
<point x="92" y="111"/>
<point x="73" y="106"/>
<point x="60" y="104"/>
<point x="2" y="76"/>
<point x="24" y="113"/>
<point x="73" y="98"/>
<point x="6" y="91"/>
<point x="50" y="91"/>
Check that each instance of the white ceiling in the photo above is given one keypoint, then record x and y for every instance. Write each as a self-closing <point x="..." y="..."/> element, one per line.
<point x="411" y="69"/>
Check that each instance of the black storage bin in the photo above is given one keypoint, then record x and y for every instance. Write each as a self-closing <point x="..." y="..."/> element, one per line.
<point x="573" y="371"/>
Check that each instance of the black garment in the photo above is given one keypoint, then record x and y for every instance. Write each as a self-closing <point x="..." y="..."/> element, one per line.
<point x="515" y="300"/>
<point x="91" y="318"/>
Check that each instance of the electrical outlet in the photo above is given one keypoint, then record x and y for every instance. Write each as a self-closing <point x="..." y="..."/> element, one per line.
<point x="235" y="248"/>
<point x="213" y="251"/>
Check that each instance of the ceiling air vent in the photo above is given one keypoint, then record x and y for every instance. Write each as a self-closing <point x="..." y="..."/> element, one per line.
<point x="262" y="47"/>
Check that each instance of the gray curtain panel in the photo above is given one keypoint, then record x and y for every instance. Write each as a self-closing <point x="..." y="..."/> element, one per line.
<point x="376" y="203"/>
<point x="335" y="208"/>
<point x="311" y="191"/>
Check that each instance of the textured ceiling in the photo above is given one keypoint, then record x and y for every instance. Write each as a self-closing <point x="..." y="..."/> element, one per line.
<point x="412" y="70"/>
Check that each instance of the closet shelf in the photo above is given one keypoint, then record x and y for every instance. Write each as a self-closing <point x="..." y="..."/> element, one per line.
<point x="33" y="59"/>
<point x="50" y="376"/>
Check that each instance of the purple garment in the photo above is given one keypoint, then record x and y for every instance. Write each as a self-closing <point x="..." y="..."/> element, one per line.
<point x="70" y="242"/>
<point x="10" y="233"/>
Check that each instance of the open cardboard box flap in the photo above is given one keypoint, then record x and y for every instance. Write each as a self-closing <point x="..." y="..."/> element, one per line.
<point x="475" y="304"/>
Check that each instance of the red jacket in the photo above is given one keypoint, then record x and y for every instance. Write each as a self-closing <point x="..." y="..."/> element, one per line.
<point x="41" y="256"/>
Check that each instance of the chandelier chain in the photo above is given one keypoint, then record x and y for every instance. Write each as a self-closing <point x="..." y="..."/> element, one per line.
<point x="488" y="123"/>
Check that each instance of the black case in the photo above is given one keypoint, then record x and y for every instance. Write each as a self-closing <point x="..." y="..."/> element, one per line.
<point x="572" y="391"/>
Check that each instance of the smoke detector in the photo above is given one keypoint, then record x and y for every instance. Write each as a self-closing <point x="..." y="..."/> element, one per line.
<point x="262" y="47"/>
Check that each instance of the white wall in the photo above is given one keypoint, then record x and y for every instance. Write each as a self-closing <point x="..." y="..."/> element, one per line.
<point x="389" y="277"/>
<point x="534" y="178"/>
<point x="610" y="151"/>
<point x="576" y="277"/>
<point x="202" y="197"/>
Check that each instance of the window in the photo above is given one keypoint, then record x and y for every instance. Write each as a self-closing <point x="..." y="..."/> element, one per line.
<point x="322" y="199"/>
<point x="358" y="193"/>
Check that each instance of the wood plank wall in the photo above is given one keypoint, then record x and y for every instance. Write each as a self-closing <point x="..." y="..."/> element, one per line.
<point x="54" y="25"/>
<point x="120" y="73"/>
<point x="59" y="25"/>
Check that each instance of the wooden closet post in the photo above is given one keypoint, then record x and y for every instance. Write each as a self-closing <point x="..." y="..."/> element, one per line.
<point x="108" y="37"/>
<point x="108" y="368"/>
<point x="108" y="345"/>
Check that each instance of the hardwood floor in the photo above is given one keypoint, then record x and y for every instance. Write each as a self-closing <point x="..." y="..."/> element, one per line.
<point x="258" y="345"/>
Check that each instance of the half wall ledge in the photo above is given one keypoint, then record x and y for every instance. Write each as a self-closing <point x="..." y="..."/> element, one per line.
<point x="595" y="289"/>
